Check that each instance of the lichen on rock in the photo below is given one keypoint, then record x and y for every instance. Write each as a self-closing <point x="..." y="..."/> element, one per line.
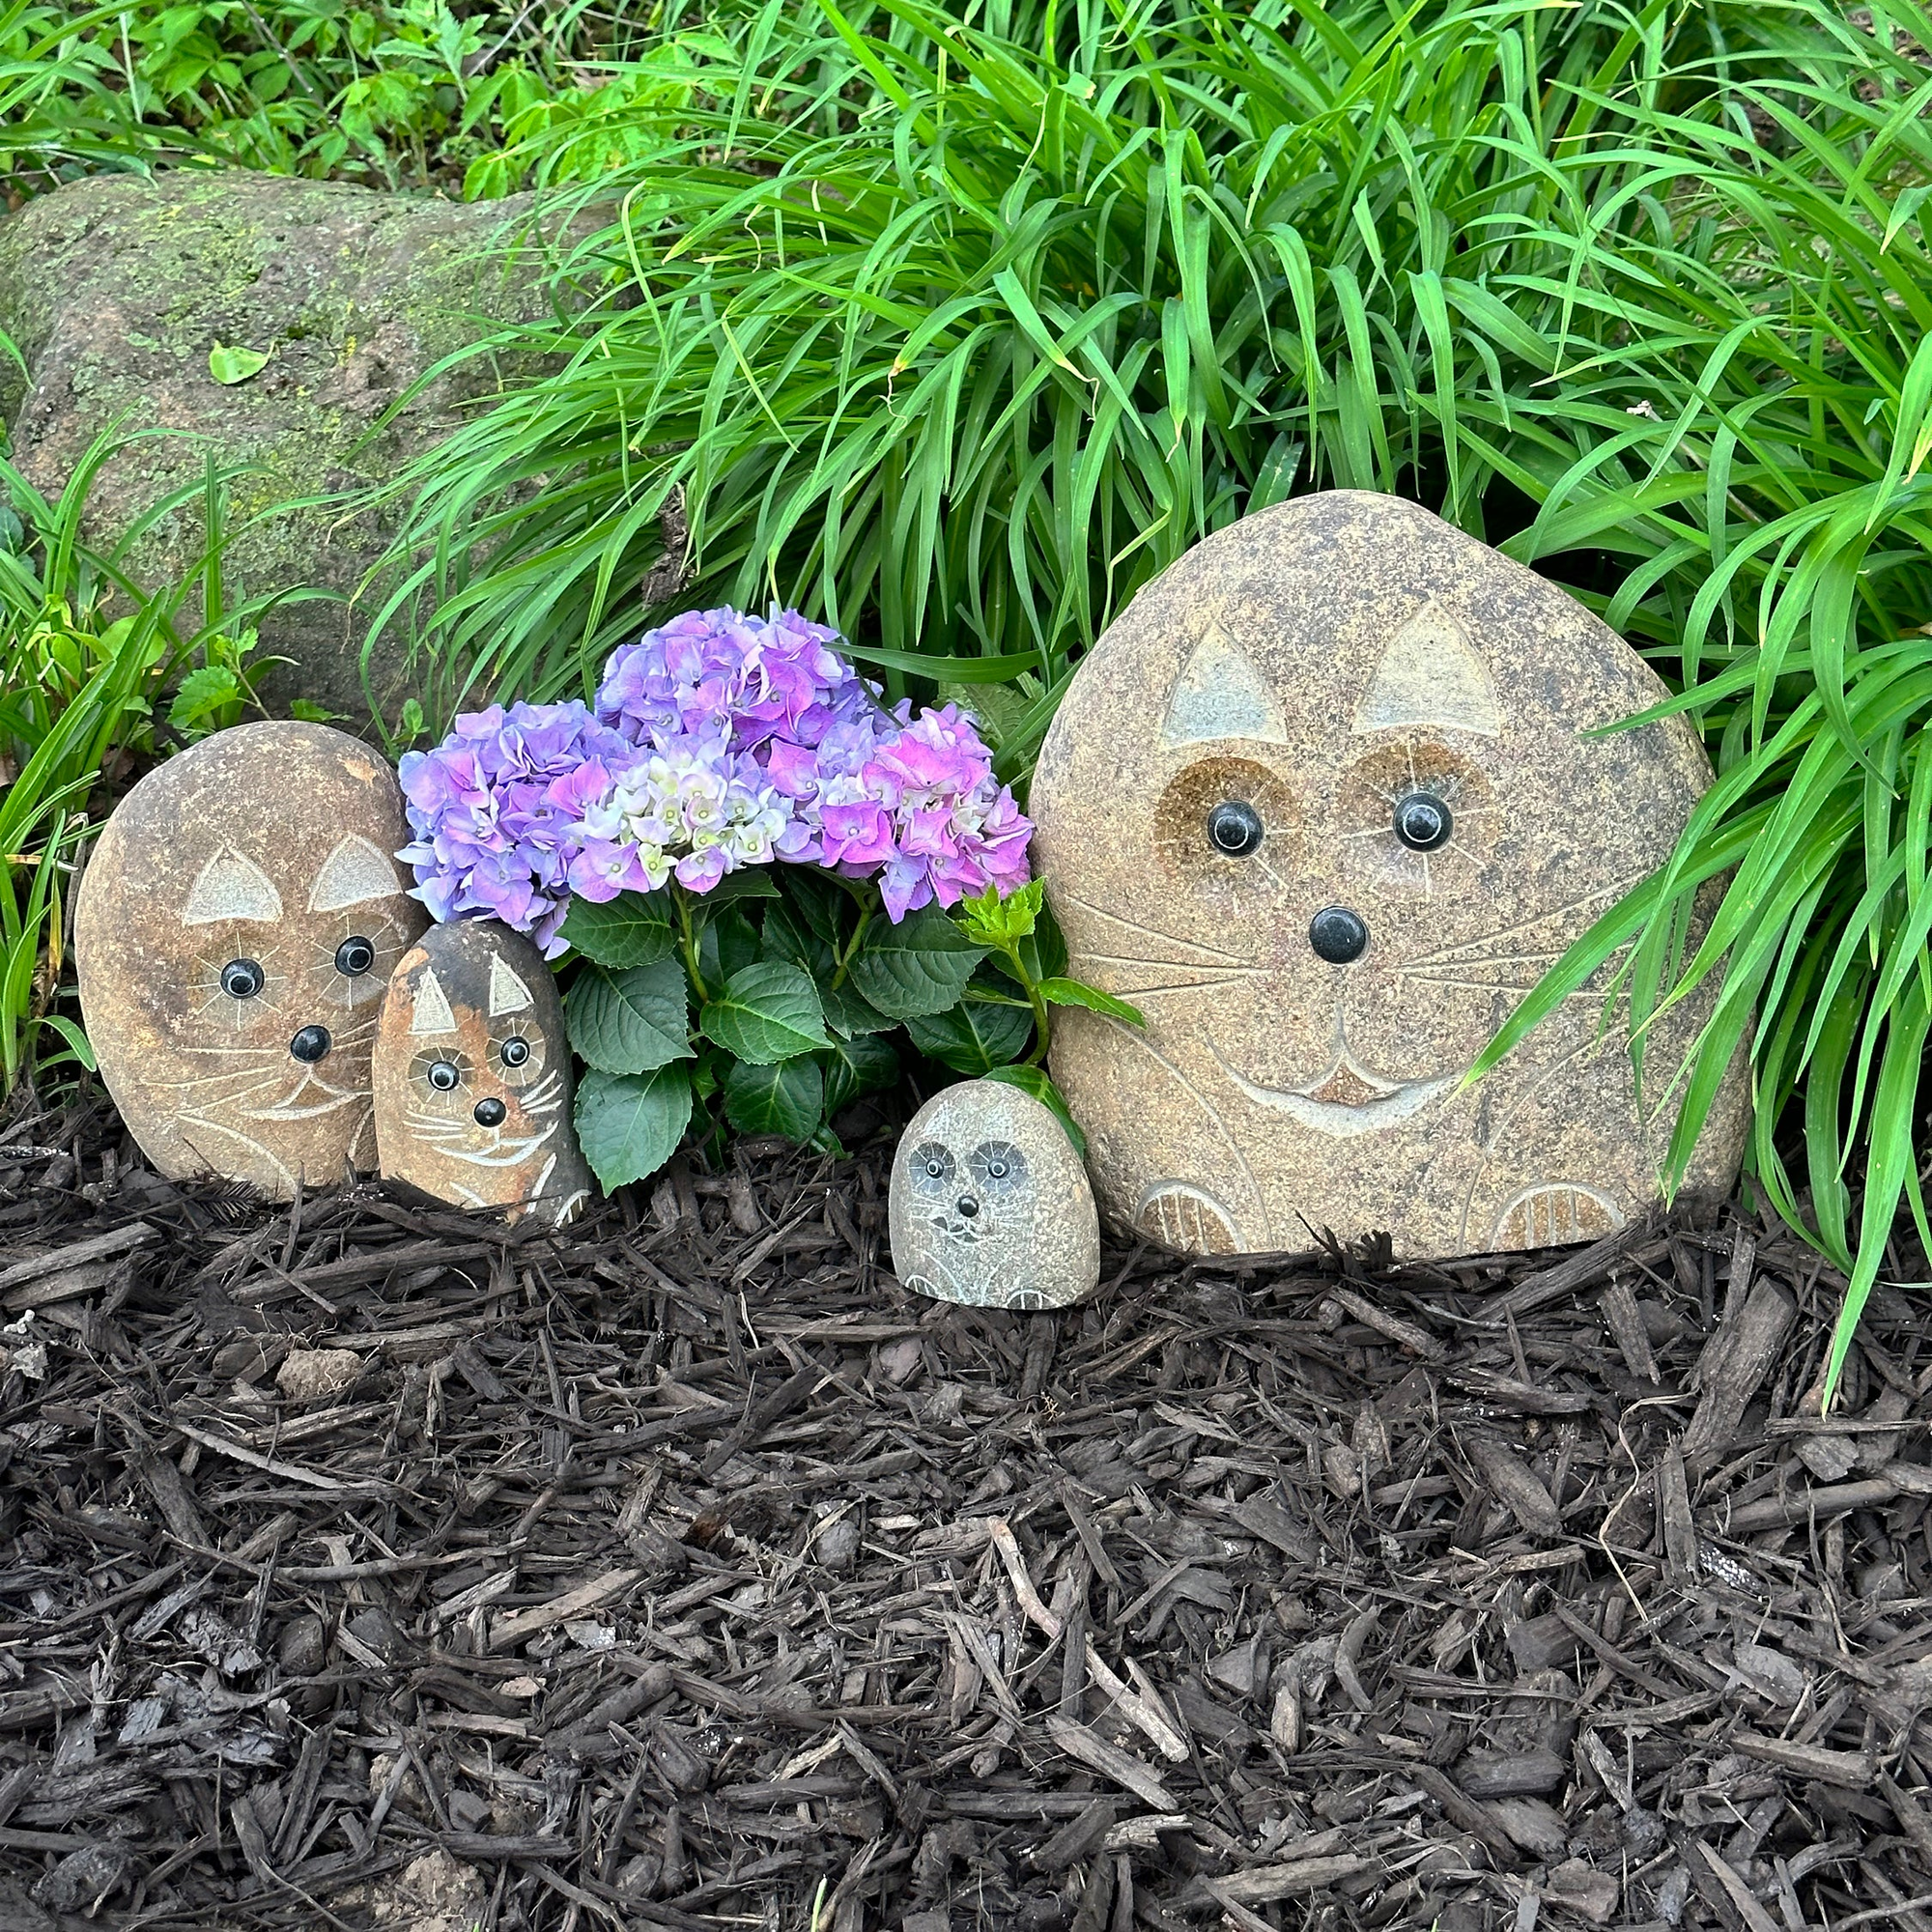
<point x="116" y="288"/>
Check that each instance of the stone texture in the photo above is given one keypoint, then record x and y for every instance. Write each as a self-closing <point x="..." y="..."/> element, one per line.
<point x="1307" y="671"/>
<point x="990" y="1205"/>
<point x="473" y="1075"/>
<point x="116" y="288"/>
<point x="319" y="1375"/>
<point x="241" y="911"/>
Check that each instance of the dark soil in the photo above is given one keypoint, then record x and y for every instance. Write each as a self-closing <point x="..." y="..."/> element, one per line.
<point x="369" y="1564"/>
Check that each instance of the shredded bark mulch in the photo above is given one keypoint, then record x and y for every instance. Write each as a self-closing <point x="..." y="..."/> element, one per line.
<point x="367" y="1564"/>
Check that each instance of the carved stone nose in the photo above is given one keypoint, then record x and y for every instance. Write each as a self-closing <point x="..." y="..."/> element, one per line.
<point x="967" y="1206"/>
<point x="1338" y="935"/>
<point x="310" y="1044"/>
<point x="489" y="1113"/>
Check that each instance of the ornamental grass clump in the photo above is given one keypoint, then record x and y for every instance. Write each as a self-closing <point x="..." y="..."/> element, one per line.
<point x="962" y="329"/>
<point x="640" y="845"/>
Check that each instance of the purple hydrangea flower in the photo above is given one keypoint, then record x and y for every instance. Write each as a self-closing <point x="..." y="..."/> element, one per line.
<point x="686" y="805"/>
<point x="495" y="809"/>
<point x="719" y="740"/>
<point x="763" y="678"/>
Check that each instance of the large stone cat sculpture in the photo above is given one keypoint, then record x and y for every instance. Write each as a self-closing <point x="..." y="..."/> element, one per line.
<point x="236" y="929"/>
<point x="1321" y="804"/>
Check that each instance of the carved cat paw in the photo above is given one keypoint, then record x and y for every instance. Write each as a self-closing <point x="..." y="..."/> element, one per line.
<point x="1187" y="1219"/>
<point x="1548" y="1216"/>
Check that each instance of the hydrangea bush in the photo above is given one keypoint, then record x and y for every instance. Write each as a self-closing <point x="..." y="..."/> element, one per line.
<point x="755" y="872"/>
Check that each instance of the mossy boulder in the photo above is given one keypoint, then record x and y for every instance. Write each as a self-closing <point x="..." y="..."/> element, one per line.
<point x="116" y="288"/>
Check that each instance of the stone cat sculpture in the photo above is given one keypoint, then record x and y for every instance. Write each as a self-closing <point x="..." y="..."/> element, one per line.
<point x="990" y="1205"/>
<point x="1321" y="804"/>
<point x="235" y="930"/>
<point x="473" y="1075"/>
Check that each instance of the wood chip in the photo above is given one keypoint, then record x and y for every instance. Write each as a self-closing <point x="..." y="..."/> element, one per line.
<point x="1110" y="1761"/>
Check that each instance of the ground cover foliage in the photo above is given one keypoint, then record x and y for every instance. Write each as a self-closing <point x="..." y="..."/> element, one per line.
<point x="420" y="94"/>
<point x="956" y="333"/>
<point x="369" y="1562"/>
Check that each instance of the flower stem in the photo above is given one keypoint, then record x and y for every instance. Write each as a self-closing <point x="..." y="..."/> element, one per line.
<point x="852" y="946"/>
<point x="689" y="931"/>
<point x="1043" y="1023"/>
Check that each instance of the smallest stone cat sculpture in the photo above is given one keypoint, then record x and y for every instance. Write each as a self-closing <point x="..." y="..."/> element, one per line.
<point x="990" y="1205"/>
<point x="473" y="1075"/>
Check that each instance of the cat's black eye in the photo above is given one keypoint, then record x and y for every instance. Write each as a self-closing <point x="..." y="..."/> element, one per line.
<point x="1422" y="822"/>
<point x="243" y="979"/>
<point x="489" y="1113"/>
<point x="931" y="1167"/>
<point x="998" y="1165"/>
<point x="354" y="956"/>
<point x="443" y="1076"/>
<point x="1234" y="827"/>
<point x="515" y="1051"/>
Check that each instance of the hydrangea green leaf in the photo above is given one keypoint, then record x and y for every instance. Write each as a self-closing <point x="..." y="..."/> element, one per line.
<point x="992" y="920"/>
<point x="849" y="1014"/>
<point x="769" y="1012"/>
<point x="858" y="1066"/>
<point x="785" y="1097"/>
<point x="632" y="929"/>
<point x="974" y="1037"/>
<point x="633" y="1021"/>
<point x="920" y="966"/>
<point x="628" y="1124"/>
<point x="746" y="883"/>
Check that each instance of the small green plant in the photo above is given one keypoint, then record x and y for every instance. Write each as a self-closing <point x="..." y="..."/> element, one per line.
<point x="95" y="672"/>
<point x="769" y="1003"/>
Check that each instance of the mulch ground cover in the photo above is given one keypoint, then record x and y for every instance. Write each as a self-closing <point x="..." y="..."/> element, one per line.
<point x="363" y="1563"/>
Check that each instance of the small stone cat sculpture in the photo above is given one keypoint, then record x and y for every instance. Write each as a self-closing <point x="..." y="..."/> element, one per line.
<point x="1321" y="804"/>
<point x="989" y="1203"/>
<point x="473" y="1075"/>
<point x="234" y="933"/>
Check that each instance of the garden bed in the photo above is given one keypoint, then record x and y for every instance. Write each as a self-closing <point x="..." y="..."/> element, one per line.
<point x="683" y="1570"/>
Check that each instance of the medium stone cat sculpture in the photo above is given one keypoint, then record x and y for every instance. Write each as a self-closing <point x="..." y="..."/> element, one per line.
<point x="473" y="1075"/>
<point x="1321" y="804"/>
<point x="236" y="927"/>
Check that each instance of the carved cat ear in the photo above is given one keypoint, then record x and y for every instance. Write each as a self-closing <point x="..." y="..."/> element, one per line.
<point x="231" y="887"/>
<point x="1221" y="694"/>
<point x="355" y="871"/>
<point x="432" y="1007"/>
<point x="507" y="993"/>
<point x="1431" y="675"/>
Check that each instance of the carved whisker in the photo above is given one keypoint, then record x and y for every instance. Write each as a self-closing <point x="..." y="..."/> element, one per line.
<point x="1155" y="933"/>
<point x="1215" y="985"/>
<point x="256" y="1076"/>
<point x="1552" y="928"/>
<point x="1217" y="972"/>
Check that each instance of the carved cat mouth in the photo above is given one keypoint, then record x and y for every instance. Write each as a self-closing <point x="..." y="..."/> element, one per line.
<point x="1346" y="1100"/>
<point x="958" y="1229"/>
<point x="310" y="1098"/>
<point x="446" y="1138"/>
